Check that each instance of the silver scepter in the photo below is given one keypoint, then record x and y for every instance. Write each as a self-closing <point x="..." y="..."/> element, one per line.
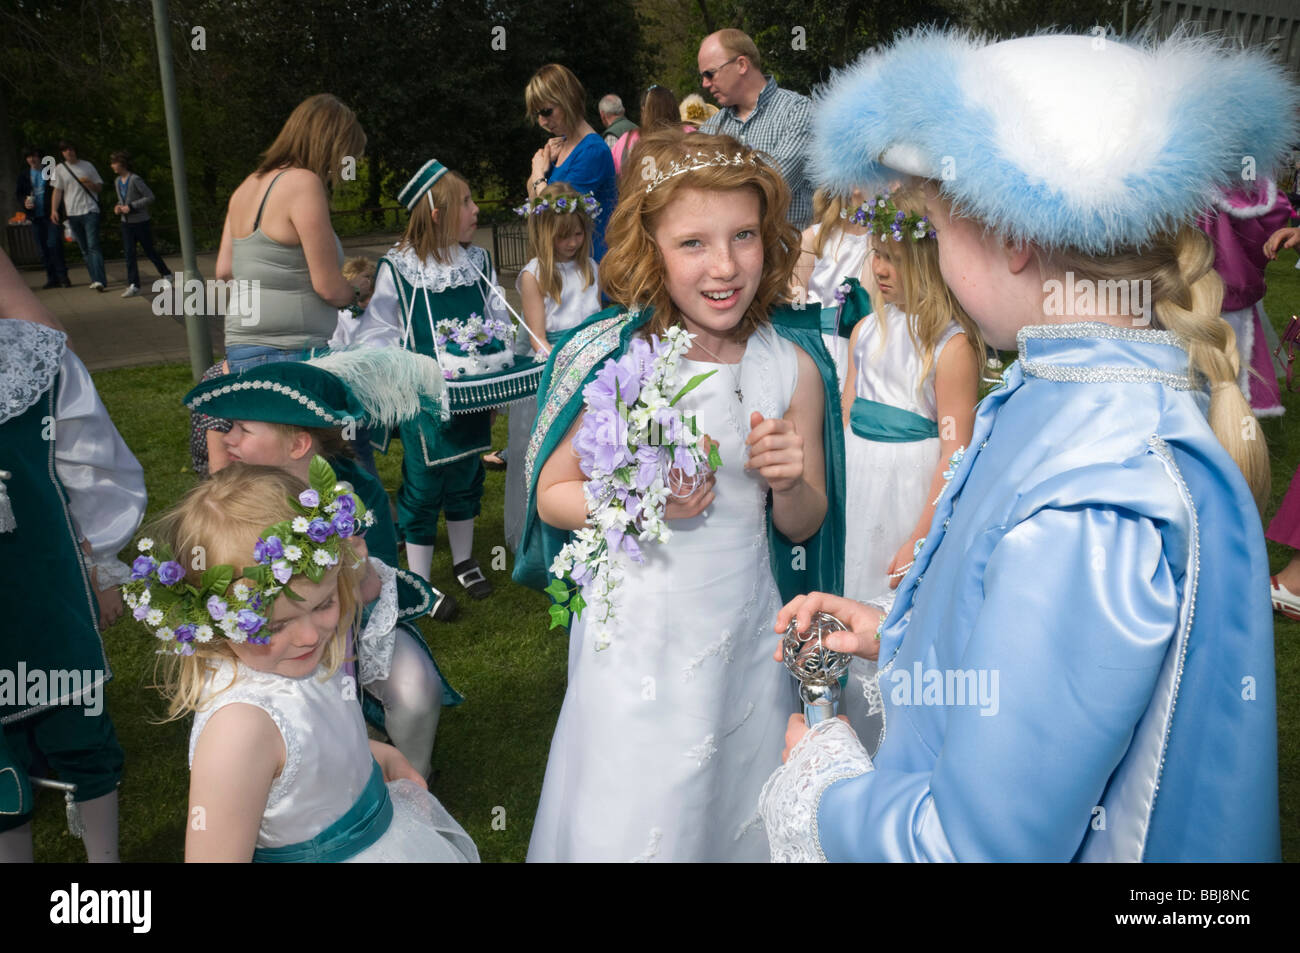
<point x="816" y="667"/>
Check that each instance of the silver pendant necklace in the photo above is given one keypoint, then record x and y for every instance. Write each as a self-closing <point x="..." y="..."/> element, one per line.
<point x="740" y="395"/>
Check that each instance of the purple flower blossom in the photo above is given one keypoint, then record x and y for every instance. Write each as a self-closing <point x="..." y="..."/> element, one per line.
<point x="249" y="621"/>
<point x="318" y="531"/>
<point x="185" y="633"/>
<point x="309" y="498"/>
<point x="345" y="524"/>
<point x="142" y="566"/>
<point x="216" y="608"/>
<point x="170" y="573"/>
<point x="347" y="505"/>
<point x="684" y="461"/>
<point x="269" y="549"/>
<point x="561" y="202"/>
<point x="282" y="571"/>
<point x="139" y="613"/>
<point x="648" y="466"/>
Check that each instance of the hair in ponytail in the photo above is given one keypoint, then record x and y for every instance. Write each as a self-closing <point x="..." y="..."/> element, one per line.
<point x="1186" y="297"/>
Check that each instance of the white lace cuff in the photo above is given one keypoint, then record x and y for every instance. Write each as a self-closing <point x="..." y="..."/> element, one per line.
<point x="110" y="571"/>
<point x="375" y="646"/>
<point x="885" y="603"/>
<point x="829" y="752"/>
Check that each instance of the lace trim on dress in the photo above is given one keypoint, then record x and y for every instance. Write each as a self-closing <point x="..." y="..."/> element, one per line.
<point x="252" y="689"/>
<point x="375" y="646"/>
<point x="434" y="275"/>
<point x="829" y="752"/>
<point x="29" y="360"/>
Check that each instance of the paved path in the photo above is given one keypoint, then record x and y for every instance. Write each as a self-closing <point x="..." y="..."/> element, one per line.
<point x="108" y="331"/>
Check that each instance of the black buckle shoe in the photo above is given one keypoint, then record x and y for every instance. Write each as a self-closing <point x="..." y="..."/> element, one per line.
<point x="446" y="608"/>
<point x="471" y="578"/>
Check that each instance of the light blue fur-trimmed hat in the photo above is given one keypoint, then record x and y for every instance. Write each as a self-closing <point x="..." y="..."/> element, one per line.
<point x="421" y="182"/>
<point x="1081" y="142"/>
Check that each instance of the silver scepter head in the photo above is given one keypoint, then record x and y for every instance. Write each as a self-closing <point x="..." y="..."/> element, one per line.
<point x="817" y="668"/>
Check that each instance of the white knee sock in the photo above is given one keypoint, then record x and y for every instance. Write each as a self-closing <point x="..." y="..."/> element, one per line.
<point x="16" y="845"/>
<point x="460" y="533"/>
<point x="100" y="817"/>
<point x="419" y="559"/>
<point x="412" y="699"/>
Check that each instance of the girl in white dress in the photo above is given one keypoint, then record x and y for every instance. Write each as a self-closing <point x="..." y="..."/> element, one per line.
<point x="558" y="285"/>
<point x="909" y="403"/>
<point x="834" y="269"/>
<point x="280" y="767"/>
<point x="667" y="731"/>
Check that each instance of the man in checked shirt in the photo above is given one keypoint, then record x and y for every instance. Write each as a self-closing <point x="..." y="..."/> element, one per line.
<point x="759" y="113"/>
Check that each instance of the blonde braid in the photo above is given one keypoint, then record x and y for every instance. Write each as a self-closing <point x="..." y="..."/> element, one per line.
<point x="1188" y="294"/>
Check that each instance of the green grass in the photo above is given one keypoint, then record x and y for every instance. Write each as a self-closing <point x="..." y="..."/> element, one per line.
<point x="491" y="751"/>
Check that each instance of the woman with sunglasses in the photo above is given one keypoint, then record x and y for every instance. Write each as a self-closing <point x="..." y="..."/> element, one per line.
<point x="576" y="153"/>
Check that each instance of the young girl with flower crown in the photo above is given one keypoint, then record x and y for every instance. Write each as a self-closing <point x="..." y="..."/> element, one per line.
<point x="437" y="294"/>
<point x="558" y="285"/>
<point x="280" y="767"/>
<point x="909" y="399"/>
<point x="285" y="415"/>
<point x="834" y="269"/>
<point x="1079" y="664"/>
<point x="672" y="713"/>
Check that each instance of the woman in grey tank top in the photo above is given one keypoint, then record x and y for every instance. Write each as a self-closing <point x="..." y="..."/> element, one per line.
<point x="278" y="244"/>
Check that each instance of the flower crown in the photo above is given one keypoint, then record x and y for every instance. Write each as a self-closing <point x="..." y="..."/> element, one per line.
<point x="699" y="160"/>
<point x="561" y="205"/>
<point x="309" y="545"/>
<point x="885" y="220"/>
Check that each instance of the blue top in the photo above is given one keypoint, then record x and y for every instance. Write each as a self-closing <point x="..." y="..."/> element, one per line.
<point x="1080" y="663"/>
<point x="590" y="168"/>
<point x="38" y="192"/>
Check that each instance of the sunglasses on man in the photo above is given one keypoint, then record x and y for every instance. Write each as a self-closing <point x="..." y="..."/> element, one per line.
<point x="708" y="74"/>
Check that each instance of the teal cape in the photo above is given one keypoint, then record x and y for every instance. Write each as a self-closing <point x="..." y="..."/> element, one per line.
<point x="815" y="564"/>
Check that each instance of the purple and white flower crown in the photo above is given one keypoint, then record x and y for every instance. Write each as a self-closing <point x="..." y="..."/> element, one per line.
<point x="309" y="544"/>
<point x="886" y="221"/>
<point x="561" y="205"/>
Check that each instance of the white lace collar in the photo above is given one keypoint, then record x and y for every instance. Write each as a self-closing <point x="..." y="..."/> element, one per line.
<point x="463" y="269"/>
<point x="29" y="359"/>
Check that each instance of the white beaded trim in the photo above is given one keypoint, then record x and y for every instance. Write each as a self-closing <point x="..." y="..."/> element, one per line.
<point x="275" y="387"/>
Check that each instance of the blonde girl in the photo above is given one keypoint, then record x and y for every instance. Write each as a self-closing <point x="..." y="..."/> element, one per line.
<point x="1072" y="638"/>
<point x="280" y="768"/>
<point x="558" y="285"/>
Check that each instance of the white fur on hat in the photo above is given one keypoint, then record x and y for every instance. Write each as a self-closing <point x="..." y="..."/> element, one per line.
<point x="1075" y="141"/>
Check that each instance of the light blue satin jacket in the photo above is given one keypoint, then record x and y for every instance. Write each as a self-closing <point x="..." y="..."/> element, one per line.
<point x="1097" y="559"/>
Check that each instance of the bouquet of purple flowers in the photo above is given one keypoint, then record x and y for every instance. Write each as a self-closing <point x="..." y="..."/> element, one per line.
<point x="637" y="449"/>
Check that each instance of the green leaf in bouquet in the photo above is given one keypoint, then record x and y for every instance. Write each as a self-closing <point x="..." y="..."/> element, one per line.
<point x="321" y="477"/>
<point x="559" y="617"/>
<point x="314" y="573"/>
<point x="577" y="604"/>
<point x="558" y="590"/>
<point x="259" y="575"/>
<point x="217" y="579"/>
<point x="715" y="458"/>
<point x="691" y="384"/>
<point x="292" y="595"/>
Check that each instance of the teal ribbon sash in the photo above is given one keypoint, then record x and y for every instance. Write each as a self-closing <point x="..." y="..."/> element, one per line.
<point x="872" y="420"/>
<point x="363" y="824"/>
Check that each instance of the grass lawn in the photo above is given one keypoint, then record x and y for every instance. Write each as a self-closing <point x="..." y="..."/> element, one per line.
<point x="491" y="751"/>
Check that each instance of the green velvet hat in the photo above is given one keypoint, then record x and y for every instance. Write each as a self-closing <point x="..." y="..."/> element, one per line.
<point x="421" y="182"/>
<point x="286" y="392"/>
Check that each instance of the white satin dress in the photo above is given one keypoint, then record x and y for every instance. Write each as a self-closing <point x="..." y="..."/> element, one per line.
<point x="666" y="736"/>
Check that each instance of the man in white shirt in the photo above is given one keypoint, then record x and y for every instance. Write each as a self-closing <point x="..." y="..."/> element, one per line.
<point x="77" y="184"/>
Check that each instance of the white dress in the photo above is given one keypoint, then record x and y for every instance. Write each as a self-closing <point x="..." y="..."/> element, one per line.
<point x="666" y="736"/>
<point x="885" y="485"/>
<point x="327" y="765"/>
<point x="576" y="303"/>
<point x="842" y="257"/>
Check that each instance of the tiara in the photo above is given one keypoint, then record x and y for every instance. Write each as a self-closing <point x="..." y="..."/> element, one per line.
<point x="885" y="220"/>
<point x="699" y="160"/>
<point x="563" y="205"/>
<point x="309" y="544"/>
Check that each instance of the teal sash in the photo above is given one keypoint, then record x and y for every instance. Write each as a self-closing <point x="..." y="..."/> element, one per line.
<point x="363" y="824"/>
<point x="872" y="420"/>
